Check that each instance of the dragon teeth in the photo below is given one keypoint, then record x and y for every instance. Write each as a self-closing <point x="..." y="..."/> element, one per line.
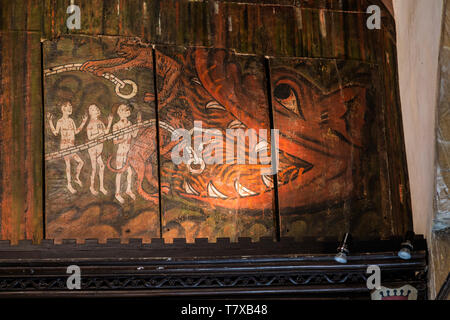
<point x="243" y="191"/>
<point x="214" y="105"/>
<point x="189" y="189"/>
<point x="268" y="181"/>
<point x="195" y="80"/>
<point x="261" y="146"/>
<point x="214" y="193"/>
<point x="236" y="124"/>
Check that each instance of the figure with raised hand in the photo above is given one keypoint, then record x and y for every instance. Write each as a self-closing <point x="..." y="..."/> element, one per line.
<point x="65" y="126"/>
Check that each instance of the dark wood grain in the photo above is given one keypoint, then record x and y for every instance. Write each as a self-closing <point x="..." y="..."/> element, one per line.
<point x="21" y="137"/>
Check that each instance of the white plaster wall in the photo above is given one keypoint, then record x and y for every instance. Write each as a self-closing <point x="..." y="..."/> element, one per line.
<point x="419" y="24"/>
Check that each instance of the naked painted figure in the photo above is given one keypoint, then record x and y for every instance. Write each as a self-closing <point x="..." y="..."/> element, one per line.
<point x="96" y="128"/>
<point x="322" y="112"/>
<point x="66" y="127"/>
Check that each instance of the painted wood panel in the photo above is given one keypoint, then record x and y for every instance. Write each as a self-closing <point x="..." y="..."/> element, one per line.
<point x="99" y="130"/>
<point x="215" y="191"/>
<point x="318" y="29"/>
<point x="329" y="114"/>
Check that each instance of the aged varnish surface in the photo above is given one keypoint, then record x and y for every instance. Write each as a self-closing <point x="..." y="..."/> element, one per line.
<point x="96" y="145"/>
<point x="89" y="117"/>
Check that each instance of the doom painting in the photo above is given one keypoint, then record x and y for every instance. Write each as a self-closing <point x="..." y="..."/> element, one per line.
<point x="98" y="127"/>
<point x="208" y="143"/>
<point x="328" y="115"/>
<point x="220" y="185"/>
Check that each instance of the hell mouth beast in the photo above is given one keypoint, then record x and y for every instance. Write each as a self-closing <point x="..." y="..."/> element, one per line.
<point x="321" y="127"/>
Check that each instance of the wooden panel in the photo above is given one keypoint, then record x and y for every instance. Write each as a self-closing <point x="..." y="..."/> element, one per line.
<point x="201" y="197"/>
<point x="315" y="29"/>
<point x="330" y="119"/>
<point x="347" y="5"/>
<point x="253" y="28"/>
<point x="25" y="15"/>
<point x="182" y="22"/>
<point x="292" y="31"/>
<point x="325" y="29"/>
<point x="130" y="18"/>
<point x="91" y="17"/>
<point x="20" y="137"/>
<point x="108" y="17"/>
<point x="119" y="134"/>
<point x="399" y="187"/>
<point x="54" y="18"/>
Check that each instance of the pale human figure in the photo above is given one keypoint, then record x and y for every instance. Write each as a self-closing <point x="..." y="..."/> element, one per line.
<point x="123" y="143"/>
<point x="67" y="128"/>
<point x="95" y="129"/>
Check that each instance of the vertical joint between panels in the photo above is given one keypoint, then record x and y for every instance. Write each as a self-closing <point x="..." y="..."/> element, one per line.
<point x="44" y="186"/>
<point x="158" y="155"/>
<point x="272" y="126"/>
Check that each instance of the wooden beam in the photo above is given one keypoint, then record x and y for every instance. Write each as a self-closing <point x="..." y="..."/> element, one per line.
<point x="21" y="136"/>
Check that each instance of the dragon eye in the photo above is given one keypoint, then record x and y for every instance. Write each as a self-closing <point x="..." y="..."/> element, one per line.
<point x="285" y="95"/>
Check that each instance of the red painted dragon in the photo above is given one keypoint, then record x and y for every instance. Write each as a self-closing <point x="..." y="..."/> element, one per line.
<point x="320" y="127"/>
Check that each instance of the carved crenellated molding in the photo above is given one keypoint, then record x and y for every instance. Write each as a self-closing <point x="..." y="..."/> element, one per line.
<point x="202" y="268"/>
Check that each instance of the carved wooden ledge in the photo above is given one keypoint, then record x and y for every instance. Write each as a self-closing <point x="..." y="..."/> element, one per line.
<point x="304" y="269"/>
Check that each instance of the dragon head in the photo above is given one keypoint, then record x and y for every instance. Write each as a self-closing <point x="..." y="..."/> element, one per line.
<point x="319" y="113"/>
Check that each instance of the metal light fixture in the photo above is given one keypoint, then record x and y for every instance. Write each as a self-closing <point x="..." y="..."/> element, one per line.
<point x="343" y="249"/>
<point x="407" y="246"/>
